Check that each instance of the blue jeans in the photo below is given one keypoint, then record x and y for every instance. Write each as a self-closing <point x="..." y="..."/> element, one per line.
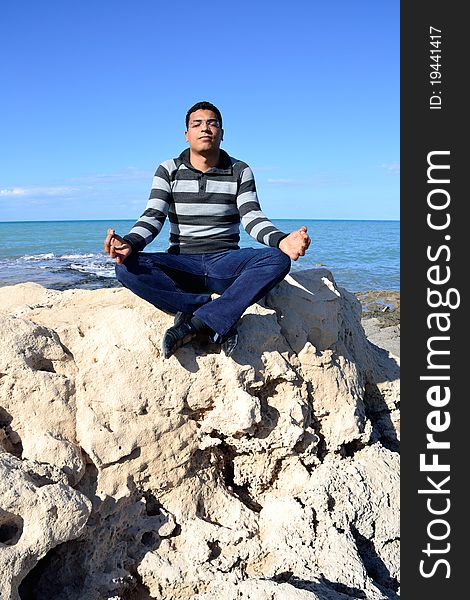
<point x="184" y="282"/>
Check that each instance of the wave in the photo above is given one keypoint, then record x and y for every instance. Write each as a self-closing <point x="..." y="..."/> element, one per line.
<point x="46" y="256"/>
<point x="77" y="268"/>
<point x="74" y="256"/>
<point x="100" y="270"/>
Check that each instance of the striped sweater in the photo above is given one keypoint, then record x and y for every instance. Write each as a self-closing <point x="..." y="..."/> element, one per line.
<point x="204" y="209"/>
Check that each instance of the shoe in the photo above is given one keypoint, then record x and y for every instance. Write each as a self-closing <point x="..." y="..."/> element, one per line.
<point x="230" y="344"/>
<point x="177" y="336"/>
<point x="181" y="317"/>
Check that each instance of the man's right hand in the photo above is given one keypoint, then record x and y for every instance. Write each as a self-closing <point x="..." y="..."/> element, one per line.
<point x="116" y="247"/>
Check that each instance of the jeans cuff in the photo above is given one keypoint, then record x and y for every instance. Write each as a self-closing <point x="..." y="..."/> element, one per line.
<point x="216" y="338"/>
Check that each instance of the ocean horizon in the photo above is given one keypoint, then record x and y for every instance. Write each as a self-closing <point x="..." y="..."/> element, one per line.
<point x="361" y="254"/>
<point x="127" y="220"/>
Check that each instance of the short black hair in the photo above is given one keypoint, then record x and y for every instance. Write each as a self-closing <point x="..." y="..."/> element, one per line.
<point x="203" y="106"/>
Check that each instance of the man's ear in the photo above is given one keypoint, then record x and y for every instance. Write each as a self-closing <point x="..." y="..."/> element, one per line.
<point x="221" y="134"/>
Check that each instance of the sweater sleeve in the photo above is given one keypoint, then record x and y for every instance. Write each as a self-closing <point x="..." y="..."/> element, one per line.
<point x="252" y="217"/>
<point x="151" y="221"/>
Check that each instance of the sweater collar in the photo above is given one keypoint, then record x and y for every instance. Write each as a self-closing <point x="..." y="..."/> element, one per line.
<point x="224" y="166"/>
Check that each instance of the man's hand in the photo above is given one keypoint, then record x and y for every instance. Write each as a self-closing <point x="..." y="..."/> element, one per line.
<point x="116" y="247"/>
<point x="296" y="243"/>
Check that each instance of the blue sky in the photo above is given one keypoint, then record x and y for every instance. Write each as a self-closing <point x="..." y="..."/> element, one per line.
<point x="94" y="96"/>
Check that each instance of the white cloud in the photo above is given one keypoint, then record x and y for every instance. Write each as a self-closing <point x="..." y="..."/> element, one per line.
<point x="127" y="174"/>
<point x="283" y="181"/>
<point x="315" y="181"/>
<point x="264" y="169"/>
<point x="392" y="167"/>
<point x="87" y="185"/>
<point x="37" y="191"/>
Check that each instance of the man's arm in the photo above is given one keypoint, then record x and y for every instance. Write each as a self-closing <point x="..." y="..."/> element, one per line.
<point x="254" y="221"/>
<point x="151" y="221"/>
<point x="257" y="225"/>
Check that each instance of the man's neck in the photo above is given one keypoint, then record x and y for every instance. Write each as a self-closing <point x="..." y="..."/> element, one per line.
<point x="204" y="162"/>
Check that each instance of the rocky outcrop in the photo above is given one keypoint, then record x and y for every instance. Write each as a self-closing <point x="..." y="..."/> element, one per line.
<point x="272" y="474"/>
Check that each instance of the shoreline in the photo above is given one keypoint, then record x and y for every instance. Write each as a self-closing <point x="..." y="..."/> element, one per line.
<point x="360" y="255"/>
<point x="381" y="318"/>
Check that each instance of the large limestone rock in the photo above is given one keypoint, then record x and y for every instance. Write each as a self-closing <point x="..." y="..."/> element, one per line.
<point x="38" y="511"/>
<point x="270" y="474"/>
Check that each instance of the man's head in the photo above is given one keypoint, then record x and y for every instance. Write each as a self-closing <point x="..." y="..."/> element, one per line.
<point x="204" y="128"/>
<point x="204" y="106"/>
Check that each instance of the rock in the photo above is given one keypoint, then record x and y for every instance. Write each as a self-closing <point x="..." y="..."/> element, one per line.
<point x="384" y="337"/>
<point x="269" y="474"/>
<point x="38" y="512"/>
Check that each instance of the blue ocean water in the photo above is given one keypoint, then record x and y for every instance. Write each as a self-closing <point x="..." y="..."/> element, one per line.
<point x="362" y="255"/>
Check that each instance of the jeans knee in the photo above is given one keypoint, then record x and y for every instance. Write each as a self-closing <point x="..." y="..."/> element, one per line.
<point x="283" y="261"/>
<point x="279" y="263"/>
<point x="286" y="261"/>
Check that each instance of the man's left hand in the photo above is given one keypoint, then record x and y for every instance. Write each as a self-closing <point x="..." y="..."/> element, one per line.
<point x="296" y="243"/>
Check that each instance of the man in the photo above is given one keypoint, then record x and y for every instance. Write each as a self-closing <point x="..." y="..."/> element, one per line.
<point x="205" y="193"/>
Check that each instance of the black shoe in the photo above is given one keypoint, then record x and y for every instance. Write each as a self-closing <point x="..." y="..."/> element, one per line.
<point x="177" y="336"/>
<point x="230" y="344"/>
<point x="181" y="317"/>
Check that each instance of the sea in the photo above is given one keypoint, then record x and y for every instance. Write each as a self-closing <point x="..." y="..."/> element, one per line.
<point x="362" y="255"/>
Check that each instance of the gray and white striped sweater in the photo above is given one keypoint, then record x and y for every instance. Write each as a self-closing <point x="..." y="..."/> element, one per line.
<point x="204" y="209"/>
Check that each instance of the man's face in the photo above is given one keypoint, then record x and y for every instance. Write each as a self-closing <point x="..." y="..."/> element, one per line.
<point x="204" y="133"/>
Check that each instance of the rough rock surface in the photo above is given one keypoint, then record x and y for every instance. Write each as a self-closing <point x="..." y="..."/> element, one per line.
<point x="272" y="474"/>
